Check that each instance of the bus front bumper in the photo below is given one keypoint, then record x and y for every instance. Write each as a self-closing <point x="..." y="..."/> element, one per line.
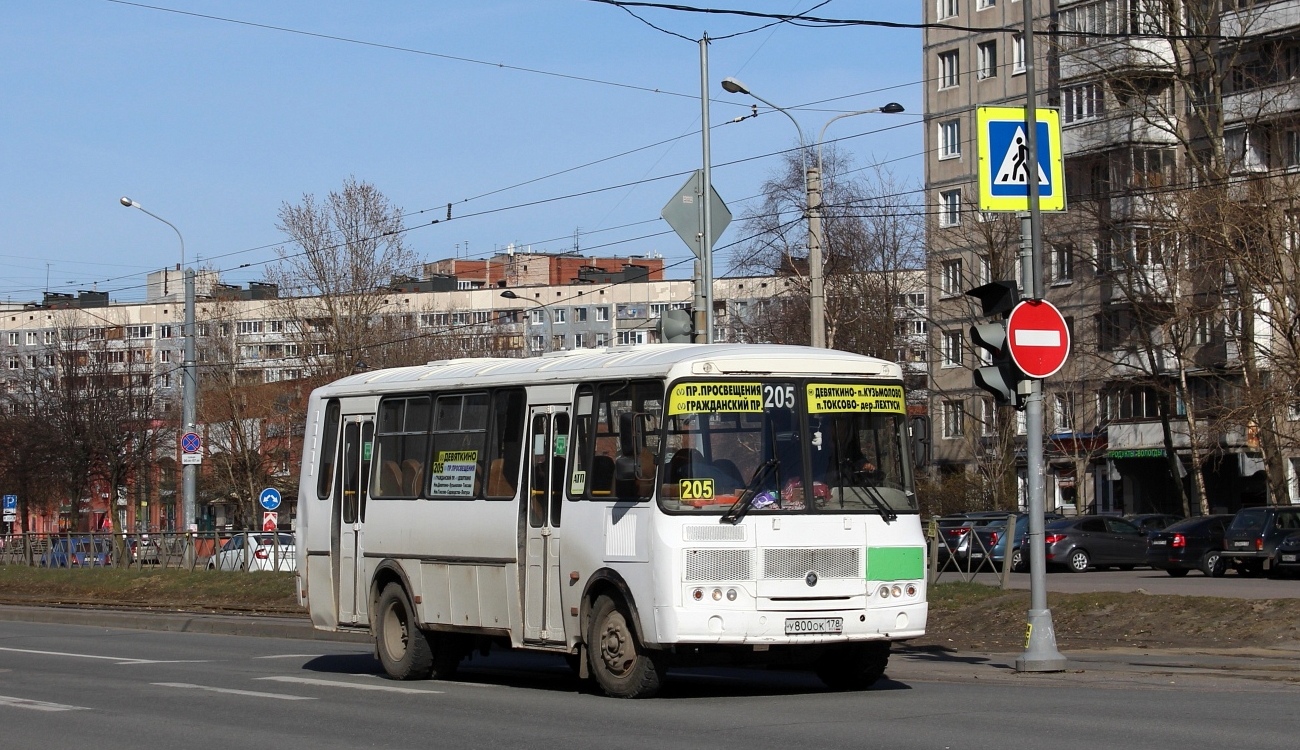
<point x="679" y="625"/>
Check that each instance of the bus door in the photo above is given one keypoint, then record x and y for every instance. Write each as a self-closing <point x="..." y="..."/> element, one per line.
<point x="548" y="455"/>
<point x="350" y="505"/>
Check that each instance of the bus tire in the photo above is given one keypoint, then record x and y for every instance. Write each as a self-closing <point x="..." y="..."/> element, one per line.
<point x="621" y="665"/>
<point x="403" y="650"/>
<point x="856" y="666"/>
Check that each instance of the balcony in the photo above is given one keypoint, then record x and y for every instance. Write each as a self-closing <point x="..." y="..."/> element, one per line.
<point x="1146" y="56"/>
<point x="1261" y="19"/>
<point x="1263" y="103"/>
<point x="1114" y="129"/>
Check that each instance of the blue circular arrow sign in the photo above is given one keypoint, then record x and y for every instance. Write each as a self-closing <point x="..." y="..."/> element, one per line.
<point x="270" y="498"/>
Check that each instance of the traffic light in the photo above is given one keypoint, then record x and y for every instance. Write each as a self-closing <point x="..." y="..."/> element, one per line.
<point x="676" y="327"/>
<point x="1001" y="376"/>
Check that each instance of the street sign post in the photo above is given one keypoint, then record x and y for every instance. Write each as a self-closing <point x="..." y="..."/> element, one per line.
<point x="270" y="521"/>
<point x="1004" y="168"/>
<point x="683" y="214"/>
<point x="191" y="443"/>
<point x="10" y="508"/>
<point x="269" y="499"/>
<point x="1038" y="338"/>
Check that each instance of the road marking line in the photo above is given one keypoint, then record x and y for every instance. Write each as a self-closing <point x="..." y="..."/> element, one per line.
<point x="118" y="659"/>
<point x="6" y="700"/>
<point x="115" y="659"/>
<point x="230" y="691"/>
<point x="353" y="685"/>
<point x="291" y="656"/>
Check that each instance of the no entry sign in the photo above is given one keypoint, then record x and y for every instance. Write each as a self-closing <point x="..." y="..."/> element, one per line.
<point x="1037" y="338"/>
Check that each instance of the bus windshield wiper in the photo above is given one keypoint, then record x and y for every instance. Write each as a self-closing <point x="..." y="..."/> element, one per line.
<point x="741" y="506"/>
<point x="886" y="513"/>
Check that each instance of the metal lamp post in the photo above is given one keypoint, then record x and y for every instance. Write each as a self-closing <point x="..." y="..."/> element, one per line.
<point x="812" y="192"/>
<point x="189" y="384"/>
<point x="546" y="347"/>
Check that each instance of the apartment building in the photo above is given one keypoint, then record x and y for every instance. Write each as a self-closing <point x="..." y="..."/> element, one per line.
<point x="271" y="349"/>
<point x="1179" y="132"/>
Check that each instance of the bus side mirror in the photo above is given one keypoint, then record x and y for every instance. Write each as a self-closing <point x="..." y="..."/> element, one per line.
<point x="920" y="429"/>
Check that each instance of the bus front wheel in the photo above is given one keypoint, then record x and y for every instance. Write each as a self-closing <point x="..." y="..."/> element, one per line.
<point x="403" y="650"/>
<point x="621" y="665"/>
<point x="856" y="666"/>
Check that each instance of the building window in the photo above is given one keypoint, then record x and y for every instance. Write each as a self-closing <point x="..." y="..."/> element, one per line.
<point x="561" y="315"/>
<point x="1062" y="264"/>
<point x="1083" y="102"/>
<point x="536" y="343"/>
<point x="986" y="60"/>
<point x="988" y="417"/>
<point x="952" y="346"/>
<point x="950" y="139"/>
<point x="14" y="338"/>
<point x="950" y="208"/>
<point x="580" y="314"/>
<point x="954" y="419"/>
<point x="949" y="8"/>
<point x="602" y="339"/>
<point x="602" y="314"/>
<point x="1017" y="54"/>
<point x="952" y="277"/>
<point x="985" y="4"/>
<point x="949" y="69"/>
<point x="32" y="337"/>
<point x="1063" y="413"/>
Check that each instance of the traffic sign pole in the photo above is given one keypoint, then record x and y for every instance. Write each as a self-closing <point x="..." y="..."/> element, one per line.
<point x="1041" y="654"/>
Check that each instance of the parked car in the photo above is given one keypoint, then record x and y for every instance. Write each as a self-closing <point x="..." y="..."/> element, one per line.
<point x="144" y="551"/>
<point x="955" y="530"/>
<point x="1190" y="544"/>
<point x="991" y="540"/>
<point x="1085" y="542"/>
<point x="76" y="552"/>
<point x="1251" y="541"/>
<point x="1150" y="522"/>
<point x="1288" y="554"/>
<point x="255" y="551"/>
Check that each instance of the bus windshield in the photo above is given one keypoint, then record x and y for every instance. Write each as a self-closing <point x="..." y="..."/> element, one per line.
<point x="798" y="446"/>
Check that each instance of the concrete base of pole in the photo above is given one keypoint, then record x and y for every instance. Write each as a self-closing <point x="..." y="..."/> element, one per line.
<point x="1040" y="645"/>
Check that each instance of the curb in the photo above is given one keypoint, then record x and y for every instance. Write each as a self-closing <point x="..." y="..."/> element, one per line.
<point x="180" y="622"/>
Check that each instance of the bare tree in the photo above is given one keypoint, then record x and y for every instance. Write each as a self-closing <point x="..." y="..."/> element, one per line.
<point x="342" y="256"/>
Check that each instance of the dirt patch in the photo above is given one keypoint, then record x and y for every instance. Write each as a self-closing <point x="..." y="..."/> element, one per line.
<point x="164" y="589"/>
<point x="970" y="616"/>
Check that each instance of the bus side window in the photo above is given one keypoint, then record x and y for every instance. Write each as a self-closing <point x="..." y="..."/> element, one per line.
<point x="505" y="450"/>
<point x="328" y="451"/>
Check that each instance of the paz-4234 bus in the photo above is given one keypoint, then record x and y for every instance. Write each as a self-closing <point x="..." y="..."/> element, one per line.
<point x="634" y="509"/>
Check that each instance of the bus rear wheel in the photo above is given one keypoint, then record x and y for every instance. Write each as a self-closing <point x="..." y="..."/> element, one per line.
<point x="403" y="650"/>
<point x="856" y="666"/>
<point x="621" y="665"/>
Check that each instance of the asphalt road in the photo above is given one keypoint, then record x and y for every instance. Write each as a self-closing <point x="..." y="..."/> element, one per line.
<point x="74" y="686"/>
<point x="1148" y="580"/>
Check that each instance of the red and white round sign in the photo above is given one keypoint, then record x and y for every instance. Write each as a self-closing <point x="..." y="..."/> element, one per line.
<point x="1037" y="338"/>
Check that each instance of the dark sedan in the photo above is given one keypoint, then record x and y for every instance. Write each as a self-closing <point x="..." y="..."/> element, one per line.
<point x="1288" y="555"/>
<point x="1190" y="544"/>
<point x="1150" y="522"/>
<point x="1094" y="541"/>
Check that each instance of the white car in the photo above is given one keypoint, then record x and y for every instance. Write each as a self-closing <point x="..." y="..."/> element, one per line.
<point x="256" y="551"/>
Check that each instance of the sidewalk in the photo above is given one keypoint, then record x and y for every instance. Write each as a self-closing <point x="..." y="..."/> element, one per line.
<point x="1105" y="667"/>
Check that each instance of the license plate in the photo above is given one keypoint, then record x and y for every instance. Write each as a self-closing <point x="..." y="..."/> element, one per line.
<point x="1241" y="544"/>
<point x="977" y="555"/>
<point x="1158" y="542"/>
<point x="1288" y="558"/>
<point x="814" y="626"/>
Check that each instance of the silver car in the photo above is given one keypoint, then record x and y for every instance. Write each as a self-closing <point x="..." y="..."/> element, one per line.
<point x="256" y="551"/>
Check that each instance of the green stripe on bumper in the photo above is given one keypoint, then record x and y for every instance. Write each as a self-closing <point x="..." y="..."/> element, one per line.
<point x="895" y="563"/>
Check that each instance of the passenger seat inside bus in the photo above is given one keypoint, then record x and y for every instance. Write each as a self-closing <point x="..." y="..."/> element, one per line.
<point x="602" y="476"/>
<point x="498" y="484"/>
<point x="412" y="477"/>
<point x="390" y="479"/>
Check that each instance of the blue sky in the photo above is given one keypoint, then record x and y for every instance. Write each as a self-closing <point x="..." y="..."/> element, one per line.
<point x="212" y="120"/>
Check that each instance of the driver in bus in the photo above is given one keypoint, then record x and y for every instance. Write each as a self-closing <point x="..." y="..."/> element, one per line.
<point x="849" y="464"/>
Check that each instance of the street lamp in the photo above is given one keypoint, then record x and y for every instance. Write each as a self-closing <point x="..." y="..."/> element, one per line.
<point x="812" y="185"/>
<point x="189" y="389"/>
<point x="546" y="345"/>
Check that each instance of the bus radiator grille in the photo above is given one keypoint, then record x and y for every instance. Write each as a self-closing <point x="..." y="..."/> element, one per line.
<point x="718" y="565"/>
<point x="833" y="562"/>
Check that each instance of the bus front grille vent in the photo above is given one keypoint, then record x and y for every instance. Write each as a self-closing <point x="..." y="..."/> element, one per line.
<point x="833" y="562"/>
<point x="714" y="532"/>
<point x="718" y="565"/>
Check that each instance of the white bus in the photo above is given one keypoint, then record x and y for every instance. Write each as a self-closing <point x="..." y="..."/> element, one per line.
<point x="631" y="508"/>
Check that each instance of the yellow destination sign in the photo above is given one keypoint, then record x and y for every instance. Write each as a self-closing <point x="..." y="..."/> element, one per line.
<point x="694" y="398"/>
<point x="855" y="397"/>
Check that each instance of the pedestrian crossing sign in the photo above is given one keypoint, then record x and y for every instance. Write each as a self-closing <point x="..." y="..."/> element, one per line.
<point x="1004" y="168"/>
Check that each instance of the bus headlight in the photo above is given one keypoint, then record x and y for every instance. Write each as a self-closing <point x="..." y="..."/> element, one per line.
<point x="731" y="595"/>
<point x="698" y="595"/>
<point x="717" y="595"/>
<point x="884" y="592"/>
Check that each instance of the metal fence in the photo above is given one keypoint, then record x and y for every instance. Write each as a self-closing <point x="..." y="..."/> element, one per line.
<point x="223" y="550"/>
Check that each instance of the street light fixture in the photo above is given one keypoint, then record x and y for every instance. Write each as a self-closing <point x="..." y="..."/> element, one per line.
<point x="546" y="345"/>
<point x="189" y="384"/>
<point x="812" y="185"/>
